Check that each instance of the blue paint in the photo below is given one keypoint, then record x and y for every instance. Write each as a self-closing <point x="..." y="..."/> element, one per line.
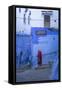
<point x="25" y="43"/>
<point x="49" y="31"/>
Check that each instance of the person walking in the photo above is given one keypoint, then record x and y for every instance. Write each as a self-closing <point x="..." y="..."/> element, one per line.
<point x="39" y="58"/>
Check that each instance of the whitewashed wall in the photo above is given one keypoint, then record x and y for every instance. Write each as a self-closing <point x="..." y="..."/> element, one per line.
<point x="37" y="20"/>
<point x="54" y="17"/>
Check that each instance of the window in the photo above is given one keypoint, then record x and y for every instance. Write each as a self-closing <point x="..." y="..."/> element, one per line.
<point x="46" y="21"/>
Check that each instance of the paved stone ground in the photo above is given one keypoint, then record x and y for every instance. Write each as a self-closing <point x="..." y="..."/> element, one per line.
<point x="37" y="74"/>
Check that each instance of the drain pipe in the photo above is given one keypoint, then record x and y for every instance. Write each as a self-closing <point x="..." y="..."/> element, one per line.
<point x="29" y="17"/>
